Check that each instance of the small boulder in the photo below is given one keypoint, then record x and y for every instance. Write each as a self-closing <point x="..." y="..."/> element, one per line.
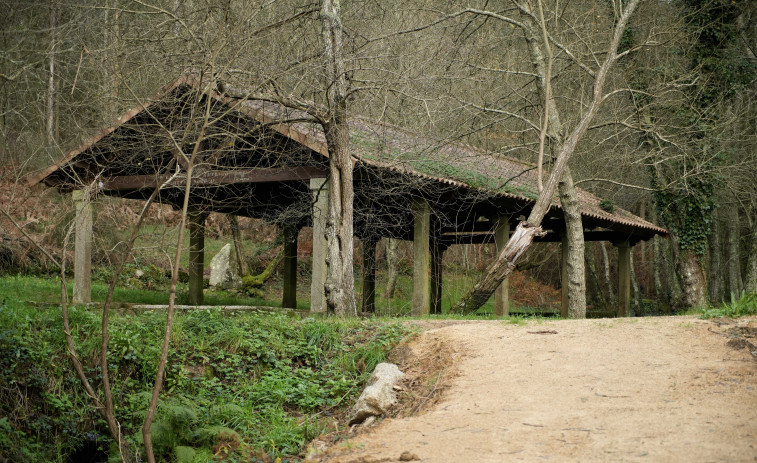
<point x="379" y="395"/>
<point x="222" y="275"/>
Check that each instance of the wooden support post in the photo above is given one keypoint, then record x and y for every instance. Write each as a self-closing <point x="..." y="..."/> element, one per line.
<point x="196" y="256"/>
<point x="564" y="275"/>
<point x="82" y="248"/>
<point x="437" y="257"/>
<point x="289" y="293"/>
<point x="421" y="258"/>
<point x="624" y="279"/>
<point x="502" y="294"/>
<point x="369" y="275"/>
<point x="320" y="189"/>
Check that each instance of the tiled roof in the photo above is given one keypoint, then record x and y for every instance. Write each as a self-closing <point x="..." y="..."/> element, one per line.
<point x="387" y="146"/>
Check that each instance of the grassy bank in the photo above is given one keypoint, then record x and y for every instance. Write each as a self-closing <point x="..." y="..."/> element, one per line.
<point x="248" y="386"/>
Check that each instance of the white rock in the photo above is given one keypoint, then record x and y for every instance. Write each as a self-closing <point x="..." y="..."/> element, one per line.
<point x="222" y="273"/>
<point x="379" y="395"/>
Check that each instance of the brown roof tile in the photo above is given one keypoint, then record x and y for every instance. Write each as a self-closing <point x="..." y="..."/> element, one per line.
<point x="391" y="147"/>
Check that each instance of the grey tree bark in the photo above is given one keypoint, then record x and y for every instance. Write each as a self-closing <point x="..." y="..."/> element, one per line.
<point x="750" y="283"/>
<point x="576" y="269"/>
<point x="525" y="232"/>
<point x="716" y="280"/>
<point x="236" y="237"/>
<point x="51" y="80"/>
<point x="606" y="274"/>
<point x="593" y="283"/>
<point x="340" y="284"/>
<point x="392" y="260"/>
<point x="691" y="275"/>
<point x="635" y="288"/>
<point x="733" y="228"/>
<point x="553" y="127"/>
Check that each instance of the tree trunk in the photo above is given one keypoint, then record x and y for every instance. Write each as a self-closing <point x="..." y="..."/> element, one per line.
<point x="750" y="284"/>
<point x="715" y="274"/>
<point x="598" y="295"/>
<point x="552" y="126"/>
<point x="635" y="287"/>
<point x="340" y="283"/>
<point x="733" y="228"/>
<point x="392" y="261"/>
<point x="236" y="237"/>
<point x="526" y="231"/>
<point x="657" y="268"/>
<point x="576" y="271"/>
<point x="606" y="273"/>
<point x="51" y="81"/>
<point x="691" y="275"/>
<point x="672" y="281"/>
<point x="369" y="275"/>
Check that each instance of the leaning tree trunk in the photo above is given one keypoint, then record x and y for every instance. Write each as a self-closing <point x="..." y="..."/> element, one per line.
<point x="340" y="283"/>
<point x="576" y="269"/>
<point x="526" y="231"/>
<point x="552" y="129"/>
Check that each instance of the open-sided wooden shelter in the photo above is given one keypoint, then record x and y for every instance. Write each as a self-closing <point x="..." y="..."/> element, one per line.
<point x="261" y="159"/>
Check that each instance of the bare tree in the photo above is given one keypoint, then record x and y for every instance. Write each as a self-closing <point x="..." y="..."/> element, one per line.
<point x="526" y="231"/>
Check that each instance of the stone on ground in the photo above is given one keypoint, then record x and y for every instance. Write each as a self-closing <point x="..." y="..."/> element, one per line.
<point x="222" y="275"/>
<point x="379" y="395"/>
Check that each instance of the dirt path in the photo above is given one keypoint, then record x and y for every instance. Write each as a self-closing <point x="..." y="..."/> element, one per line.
<point x="647" y="390"/>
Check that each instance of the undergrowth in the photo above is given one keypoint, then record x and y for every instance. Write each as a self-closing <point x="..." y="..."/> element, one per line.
<point x="239" y="387"/>
<point x="742" y="306"/>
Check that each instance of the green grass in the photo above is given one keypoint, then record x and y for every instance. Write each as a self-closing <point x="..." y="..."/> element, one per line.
<point x="743" y="306"/>
<point x="456" y="285"/>
<point x="22" y="290"/>
<point x="250" y="383"/>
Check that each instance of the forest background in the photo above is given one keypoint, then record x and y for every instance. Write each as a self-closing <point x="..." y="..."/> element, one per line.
<point x="673" y="140"/>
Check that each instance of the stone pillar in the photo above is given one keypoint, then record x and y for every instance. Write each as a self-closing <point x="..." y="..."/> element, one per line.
<point x="369" y="275"/>
<point x="196" y="256"/>
<point x="289" y="293"/>
<point x="502" y="294"/>
<point x="320" y="189"/>
<point x="564" y="275"/>
<point x="421" y="258"/>
<point x="82" y="248"/>
<point x="624" y="279"/>
<point x="437" y="257"/>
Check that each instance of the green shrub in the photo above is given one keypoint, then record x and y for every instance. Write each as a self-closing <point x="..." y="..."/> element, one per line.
<point x="745" y="305"/>
<point x="242" y="384"/>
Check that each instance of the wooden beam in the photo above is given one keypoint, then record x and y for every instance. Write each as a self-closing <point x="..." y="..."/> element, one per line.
<point x="213" y="178"/>
<point x="196" y="256"/>
<point x="82" y="248"/>
<point x="551" y="237"/>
